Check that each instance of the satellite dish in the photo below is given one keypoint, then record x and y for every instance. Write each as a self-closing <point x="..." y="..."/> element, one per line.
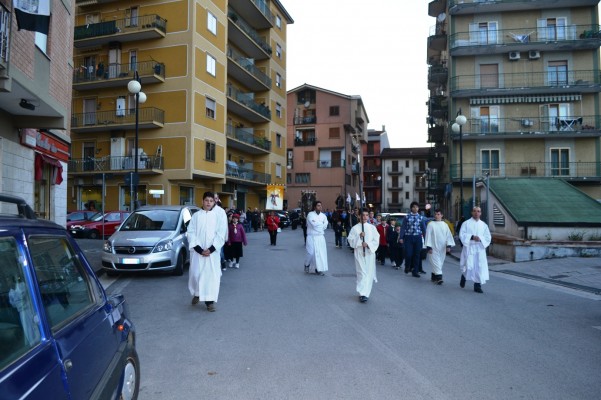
<point x="307" y="104"/>
<point x="441" y="17"/>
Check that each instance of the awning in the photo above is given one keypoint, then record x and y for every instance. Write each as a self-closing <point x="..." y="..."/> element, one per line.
<point x="57" y="171"/>
<point x="526" y="99"/>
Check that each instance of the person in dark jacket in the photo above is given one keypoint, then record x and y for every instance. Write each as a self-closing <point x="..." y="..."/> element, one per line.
<point x="395" y="248"/>
<point x="338" y="229"/>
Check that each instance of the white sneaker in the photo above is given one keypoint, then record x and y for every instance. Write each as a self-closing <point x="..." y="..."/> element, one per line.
<point x="393" y="264"/>
<point x="237" y="265"/>
<point x="230" y="264"/>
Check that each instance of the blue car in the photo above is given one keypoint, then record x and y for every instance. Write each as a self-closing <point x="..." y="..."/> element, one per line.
<point x="61" y="335"/>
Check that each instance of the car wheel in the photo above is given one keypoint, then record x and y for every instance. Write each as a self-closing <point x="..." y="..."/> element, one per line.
<point x="179" y="266"/>
<point x="94" y="234"/>
<point x="131" y="377"/>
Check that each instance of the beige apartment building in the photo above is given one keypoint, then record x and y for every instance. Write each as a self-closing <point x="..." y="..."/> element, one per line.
<point x="526" y="77"/>
<point x="325" y="133"/>
<point x="35" y="108"/>
<point x="214" y="118"/>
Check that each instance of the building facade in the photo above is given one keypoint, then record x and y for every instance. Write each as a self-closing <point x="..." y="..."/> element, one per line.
<point x="325" y="134"/>
<point x="35" y="108"/>
<point x="371" y="167"/>
<point x="214" y="77"/>
<point x="525" y="75"/>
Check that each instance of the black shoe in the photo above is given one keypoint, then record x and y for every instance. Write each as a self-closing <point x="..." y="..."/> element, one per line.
<point x="362" y="299"/>
<point x="306" y="269"/>
<point x="319" y="273"/>
<point x="406" y="270"/>
<point x="415" y="275"/>
<point x="432" y="277"/>
<point x="421" y="271"/>
<point x="462" y="281"/>
<point x="478" y="288"/>
<point x="195" y="300"/>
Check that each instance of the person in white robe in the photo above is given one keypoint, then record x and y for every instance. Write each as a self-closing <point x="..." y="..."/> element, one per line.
<point x="439" y="241"/>
<point x="475" y="236"/>
<point x="207" y="233"/>
<point x="317" y="252"/>
<point x="364" y="239"/>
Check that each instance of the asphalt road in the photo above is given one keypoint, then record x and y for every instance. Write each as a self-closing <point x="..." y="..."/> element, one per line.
<point x="281" y="334"/>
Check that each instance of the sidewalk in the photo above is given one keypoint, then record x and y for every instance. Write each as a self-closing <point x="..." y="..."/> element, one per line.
<point x="573" y="272"/>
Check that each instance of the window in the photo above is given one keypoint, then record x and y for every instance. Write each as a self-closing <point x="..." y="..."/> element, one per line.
<point x="278" y="21"/>
<point x="309" y="156"/>
<point x="210" y="107"/>
<point x="278" y="140"/>
<point x="395" y="166"/>
<point x="406" y="163"/>
<point x="211" y="23"/>
<point x="490" y="162"/>
<point x="278" y="50"/>
<point x="41" y="41"/>
<point x="302" y="178"/>
<point x="186" y="195"/>
<point x="485" y="119"/>
<point x="407" y="195"/>
<point x="407" y="179"/>
<point x="371" y="149"/>
<point x="278" y="110"/>
<point x="278" y="170"/>
<point x="210" y="151"/>
<point x="335" y="133"/>
<point x="557" y="73"/>
<point x="278" y="80"/>
<point x="211" y="64"/>
<point x="555" y="117"/>
<point x="551" y="28"/>
<point x="334" y="111"/>
<point x="133" y="60"/>
<point x="483" y="33"/>
<point x="560" y="162"/>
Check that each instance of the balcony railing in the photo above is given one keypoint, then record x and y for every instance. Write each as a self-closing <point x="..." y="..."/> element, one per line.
<point x="112" y="74"/>
<point x="330" y="164"/>
<point x="247" y="135"/>
<point x="308" y="141"/>
<point x="249" y="31"/>
<point x="487" y="6"/>
<point x="136" y="28"/>
<point x="581" y="125"/>
<point x="247" y="174"/>
<point x="312" y="119"/>
<point x="248" y="100"/>
<point x="115" y="163"/>
<point x="571" y="170"/>
<point x="573" y="81"/>
<point x="395" y="186"/>
<point x="398" y="171"/>
<point x="394" y="202"/>
<point x="5" y="22"/>
<point x="149" y="117"/>
<point x="245" y="63"/>
<point x="525" y="36"/>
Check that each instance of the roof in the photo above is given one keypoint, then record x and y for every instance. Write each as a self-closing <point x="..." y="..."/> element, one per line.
<point x="409" y="152"/>
<point x="546" y="201"/>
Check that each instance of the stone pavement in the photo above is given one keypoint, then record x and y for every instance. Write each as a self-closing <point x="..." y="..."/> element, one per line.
<point x="577" y="273"/>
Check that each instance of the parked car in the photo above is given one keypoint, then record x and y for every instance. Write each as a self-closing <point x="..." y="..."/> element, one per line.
<point x="399" y="217"/>
<point x="61" y="335"/>
<point x="284" y="218"/>
<point x="153" y="238"/>
<point x="76" y="217"/>
<point x="100" y="227"/>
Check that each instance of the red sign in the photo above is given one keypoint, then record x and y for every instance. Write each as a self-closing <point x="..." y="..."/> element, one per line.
<point x="45" y="143"/>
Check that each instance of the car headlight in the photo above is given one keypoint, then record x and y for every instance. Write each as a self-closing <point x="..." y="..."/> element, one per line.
<point x="76" y="227"/>
<point x="107" y="247"/>
<point x="165" y="245"/>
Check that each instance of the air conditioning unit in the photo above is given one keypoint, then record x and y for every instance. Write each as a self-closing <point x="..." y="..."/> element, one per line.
<point x="534" y="54"/>
<point x="514" y="55"/>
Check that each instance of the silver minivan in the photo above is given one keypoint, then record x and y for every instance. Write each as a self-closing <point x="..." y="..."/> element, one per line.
<point x="153" y="238"/>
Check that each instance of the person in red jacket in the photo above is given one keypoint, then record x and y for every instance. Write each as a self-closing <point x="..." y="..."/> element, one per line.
<point x="383" y="247"/>
<point x="236" y="238"/>
<point x="273" y="223"/>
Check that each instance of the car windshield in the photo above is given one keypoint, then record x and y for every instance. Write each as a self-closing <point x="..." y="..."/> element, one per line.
<point x="151" y="220"/>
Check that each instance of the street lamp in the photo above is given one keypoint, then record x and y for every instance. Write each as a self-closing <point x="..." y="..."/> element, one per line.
<point x="135" y="87"/>
<point x="457" y="127"/>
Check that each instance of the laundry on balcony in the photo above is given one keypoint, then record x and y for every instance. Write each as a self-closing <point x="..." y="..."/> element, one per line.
<point x="569" y="124"/>
<point x="520" y="38"/>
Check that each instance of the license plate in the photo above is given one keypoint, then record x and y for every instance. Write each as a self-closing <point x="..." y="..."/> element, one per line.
<point x="130" y="261"/>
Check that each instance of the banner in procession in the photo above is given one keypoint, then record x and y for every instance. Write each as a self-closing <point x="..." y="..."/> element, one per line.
<point x="275" y="197"/>
<point x="33" y="15"/>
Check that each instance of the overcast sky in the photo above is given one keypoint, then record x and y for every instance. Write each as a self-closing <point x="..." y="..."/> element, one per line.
<point x="375" y="49"/>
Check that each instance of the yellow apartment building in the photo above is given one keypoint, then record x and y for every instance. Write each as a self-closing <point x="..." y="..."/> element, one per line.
<point x="213" y="77"/>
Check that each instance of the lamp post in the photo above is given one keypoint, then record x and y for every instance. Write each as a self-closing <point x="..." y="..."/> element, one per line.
<point x="457" y="127"/>
<point x="135" y="87"/>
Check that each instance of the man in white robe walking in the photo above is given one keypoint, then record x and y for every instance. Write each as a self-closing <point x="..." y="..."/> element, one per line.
<point x="364" y="239"/>
<point x="317" y="252"/>
<point x="475" y="236"/>
<point x="439" y="241"/>
<point x="207" y="233"/>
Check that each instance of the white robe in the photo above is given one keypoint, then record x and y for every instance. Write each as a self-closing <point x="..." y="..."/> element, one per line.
<point x="206" y="229"/>
<point x="473" y="262"/>
<point x="438" y="237"/>
<point x="365" y="265"/>
<point x="316" y="241"/>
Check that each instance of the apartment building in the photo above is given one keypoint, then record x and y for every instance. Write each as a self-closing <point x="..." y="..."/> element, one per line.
<point x="213" y="74"/>
<point x="35" y="106"/>
<point x="525" y="75"/>
<point x="371" y="169"/>
<point x="326" y="130"/>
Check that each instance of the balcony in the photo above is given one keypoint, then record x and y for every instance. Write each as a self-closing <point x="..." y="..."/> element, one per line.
<point x="148" y="118"/>
<point x="395" y="186"/>
<point x="246" y="37"/>
<point x="437" y="39"/>
<point x="436" y="7"/>
<point x="116" y="164"/>
<point x="576" y="171"/>
<point x="330" y="164"/>
<point x="246" y="175"/>
<point x="579" y="81"/>
<point x="436" y="134"/>
<point x="398" y="171"/>
<point x="372" y="183"/>
<point x="457" y="7"/>
<point x="107" y="75"/>
<point x="531" y="127"/>
<point x="371" y="168"/>
<point x="438" y="107"/>
<point x="83" y="3"/>
<point x="437" y="75"/>
<point x="310" y="119"/>
<point x="244" y="104"/>
<point x="245" y="140"/>
<point x="305" y="141"/>
<point x="394" y="203"/>
<point x="256" y="11"/>
<point x="120" y="30"/>
<point x="541" y="39"/>
<point x="246" y="72"/>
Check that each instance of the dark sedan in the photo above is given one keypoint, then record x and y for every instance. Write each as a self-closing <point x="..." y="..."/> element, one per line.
<point x="284" y="218"/>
